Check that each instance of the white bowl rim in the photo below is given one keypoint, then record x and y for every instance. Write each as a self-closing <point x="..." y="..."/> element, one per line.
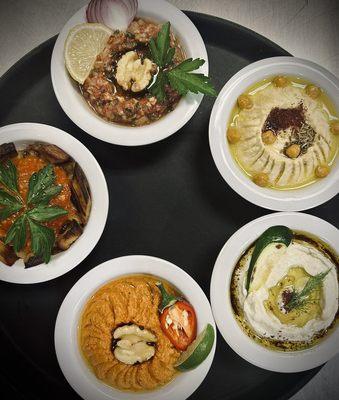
<point x="71" y="362"/>
<point x="244" y="346"/>
<point x="278" y="200"/>
<point x="80" y="113"/>
<point x="69" y="259"/>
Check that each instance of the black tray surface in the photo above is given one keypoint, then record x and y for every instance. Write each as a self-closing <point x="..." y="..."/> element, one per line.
<point x="166" y="200"/>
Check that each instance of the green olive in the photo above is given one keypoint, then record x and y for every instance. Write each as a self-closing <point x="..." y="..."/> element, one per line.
<point x="245" y="102"/>
<point x="233" y="135"/>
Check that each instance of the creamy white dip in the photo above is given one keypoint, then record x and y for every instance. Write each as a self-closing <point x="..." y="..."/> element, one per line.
<point x="272" y="265"/>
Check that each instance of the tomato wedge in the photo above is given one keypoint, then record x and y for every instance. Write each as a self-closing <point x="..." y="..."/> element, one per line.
<point x="179" y="323"/>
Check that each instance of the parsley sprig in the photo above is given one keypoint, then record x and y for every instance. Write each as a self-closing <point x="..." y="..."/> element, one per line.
<point x="300" y="299"/>
<point x="32" y="212"/>
<point x="180" y="77"/>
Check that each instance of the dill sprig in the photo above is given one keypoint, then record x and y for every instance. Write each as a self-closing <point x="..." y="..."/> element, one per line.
<point x="300" y="299"/>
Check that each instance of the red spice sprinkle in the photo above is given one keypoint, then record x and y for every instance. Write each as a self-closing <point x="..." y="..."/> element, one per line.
<point x="283" y="118"/>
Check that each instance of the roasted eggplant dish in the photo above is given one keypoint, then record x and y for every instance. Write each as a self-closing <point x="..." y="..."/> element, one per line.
<point x="45" y="202"/>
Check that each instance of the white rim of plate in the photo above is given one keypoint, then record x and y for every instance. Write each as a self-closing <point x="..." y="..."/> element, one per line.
<point x="286" y="200"/>
<point x="80" y="113"/>
<point x="68" y="353"/>
<point x="236" y="338"/>
<point x="63" y="262"/>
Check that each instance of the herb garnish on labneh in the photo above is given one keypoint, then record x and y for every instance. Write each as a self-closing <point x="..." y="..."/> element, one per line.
<point x="179" y="77"/>
<point x="32" y="212"/>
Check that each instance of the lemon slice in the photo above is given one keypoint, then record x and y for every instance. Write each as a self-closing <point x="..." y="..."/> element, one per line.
<point x="197" y="351"/>
<point x="83" y="44"/>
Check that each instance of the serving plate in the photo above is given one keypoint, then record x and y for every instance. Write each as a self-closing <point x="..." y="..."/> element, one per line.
<point x="166" y="199"/>
<point x="23" y="134"/>
<point x="228" y="257"/>
<point x="78" y="110"/>
<point x="273" y="199"/>
<point x="70" y="359"/>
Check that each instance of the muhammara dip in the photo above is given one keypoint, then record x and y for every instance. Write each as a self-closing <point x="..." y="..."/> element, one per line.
<point x="128" y="302"/>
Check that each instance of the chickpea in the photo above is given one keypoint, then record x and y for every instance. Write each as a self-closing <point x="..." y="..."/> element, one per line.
<point x="268" y="137"/>
<point x="261" y="179"/>
<point x="313" y="91"/>
<point x="293" y="151"/>
<point x="233" y="135"/>
<point x="322" y="170"/>
<point x="335" y="127"/>
<point x="245" y="102"/>
<point x="280" y="81"/>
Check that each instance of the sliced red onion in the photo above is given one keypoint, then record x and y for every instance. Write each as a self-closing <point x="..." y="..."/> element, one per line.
<point x="116" y="14"/>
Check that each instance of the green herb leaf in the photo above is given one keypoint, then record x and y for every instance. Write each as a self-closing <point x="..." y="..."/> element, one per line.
<point x="8" y="176"/>
<point x="274" y="234"/>
<point x="190" y="65"/>
<point x="160" y="47"/>
<point x="10" y="204"/>
<point x="167" y="299"/>
<point x="183" y="81"/>
<point x="17" y="233"/>
<point x="43" y="239"/>
<point x="158" y="87"/>
<point x="44" y="213"/>
<point x="299" y="299"/>
<point x="41" y="188"/>
<point x="180" y="78"/>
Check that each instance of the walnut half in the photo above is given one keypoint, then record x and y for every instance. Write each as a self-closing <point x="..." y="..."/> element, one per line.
<point x="133" y="73"/>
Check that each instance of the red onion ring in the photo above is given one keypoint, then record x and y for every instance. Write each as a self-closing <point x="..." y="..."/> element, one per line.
<point x="116" y="14"/>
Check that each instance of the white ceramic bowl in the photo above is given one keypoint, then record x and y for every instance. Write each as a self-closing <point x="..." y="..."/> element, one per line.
<point x="70" y="360"/>
<point x="221" y="304"/>
<point x="26" y="133"/>
<point x="280" y="200"/>
<point x="79" y="111"/>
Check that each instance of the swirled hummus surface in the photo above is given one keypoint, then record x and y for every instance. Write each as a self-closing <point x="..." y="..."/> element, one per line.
<point x="261" y="311"/>
<point x="285" y="134"/>
<point x="129" y="300"/>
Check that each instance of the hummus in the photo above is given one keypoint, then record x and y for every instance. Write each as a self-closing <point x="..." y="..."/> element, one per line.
<point x="129" y="300"/>
<point x="285" y="134"/>
<point x="278" y="270"/>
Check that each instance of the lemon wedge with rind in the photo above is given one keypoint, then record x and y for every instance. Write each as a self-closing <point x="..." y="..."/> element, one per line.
<point x="83" y="44"/>
<point x="197" y="351"/>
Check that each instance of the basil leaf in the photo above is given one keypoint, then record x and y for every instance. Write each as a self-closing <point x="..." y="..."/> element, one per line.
<point x="17" y="233"/>
<point x="158" y="87"/>
<point x="8" y="176"/>
<point x="44" y="213"/>
<point x="41" y="188"/>
<point x="43" y="239"/>
<point x="274" y="234"/>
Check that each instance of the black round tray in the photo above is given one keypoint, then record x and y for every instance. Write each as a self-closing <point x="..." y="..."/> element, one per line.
<point x="166" y="199"/>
